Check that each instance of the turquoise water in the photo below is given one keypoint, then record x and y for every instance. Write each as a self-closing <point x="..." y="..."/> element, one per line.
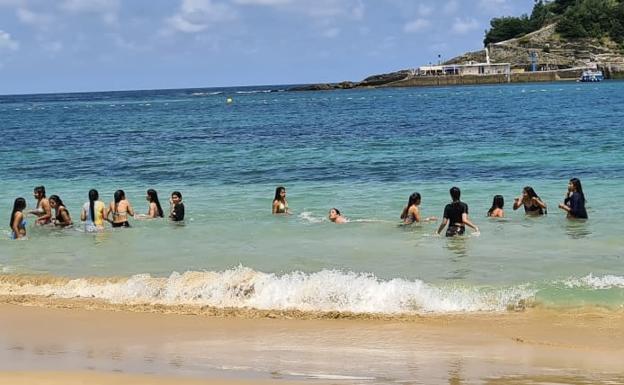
<point x="363" y="151"/>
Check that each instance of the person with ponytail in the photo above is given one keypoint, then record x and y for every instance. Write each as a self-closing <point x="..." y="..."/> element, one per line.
<point x="120" y="209"/>
<point x="93" y="213"/>
<point x="17" y="222"/>
<point x="154" y="209"/>
<point x="61" y="216"/>
<point x="574" y="202"/>
<point x="456" y="216"/>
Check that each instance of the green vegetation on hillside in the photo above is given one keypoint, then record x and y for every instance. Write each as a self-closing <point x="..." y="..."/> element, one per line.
<point x="575" y="19"/>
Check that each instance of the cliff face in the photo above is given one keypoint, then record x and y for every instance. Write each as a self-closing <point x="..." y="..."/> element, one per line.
<point x="553" y="52"/>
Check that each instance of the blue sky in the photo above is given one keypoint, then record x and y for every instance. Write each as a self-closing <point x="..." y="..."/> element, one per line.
<point x="91" y="45"/>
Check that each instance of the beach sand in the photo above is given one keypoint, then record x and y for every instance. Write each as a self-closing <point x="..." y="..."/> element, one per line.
<point x="44" y="341"/>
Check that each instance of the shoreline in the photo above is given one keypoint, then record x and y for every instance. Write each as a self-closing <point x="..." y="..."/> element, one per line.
<point x="578" y="347"/>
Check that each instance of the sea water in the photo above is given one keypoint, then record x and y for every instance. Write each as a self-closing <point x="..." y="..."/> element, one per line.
<point x="362" y="151"/>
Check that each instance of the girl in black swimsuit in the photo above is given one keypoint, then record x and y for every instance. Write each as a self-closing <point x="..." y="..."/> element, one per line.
<point x="533" y="204"/>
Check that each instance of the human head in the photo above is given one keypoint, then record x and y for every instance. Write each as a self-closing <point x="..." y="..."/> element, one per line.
<point x="279" y="191"/>
<point x="176" y="195"/>
<point x="455" y="193"/>
<point x="576" y="185"/>
<point x="39" y="192"/>
<point x="414" y="199"/>
<point x="334" y="213"/>
<point x="55" y="201"/>
<point x="498" y="202"/>
<point x="529" y="192"/>
<point x="119" y="196"/>
<point x="18" y="205"/>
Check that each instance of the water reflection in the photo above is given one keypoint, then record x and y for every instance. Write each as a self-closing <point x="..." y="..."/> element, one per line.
<point x="458" y="246"/>
<point x="577" y="228"/>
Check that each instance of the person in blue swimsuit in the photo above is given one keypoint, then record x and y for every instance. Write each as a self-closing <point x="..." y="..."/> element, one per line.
<point x="17" y="222"/>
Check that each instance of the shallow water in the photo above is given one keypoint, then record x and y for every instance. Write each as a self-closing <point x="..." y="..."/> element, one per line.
<point x="363" y="151"/>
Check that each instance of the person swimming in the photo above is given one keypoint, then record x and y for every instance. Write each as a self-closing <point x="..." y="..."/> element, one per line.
<point x="93" y="213"/>
<point x="17" y="223"/>
<point x="496" y="211"/>
<point x="411" y="212"/>
<point x="336" y="217"/>
<point x="42" y="210"/>
<point x="61" y="216"/>
<point x="154" y="209"/>
<point x="280" y="204"/>
<point x="456" y="216"/>
<point x="119" y="209"/>
<point x="533" y="204"/>
<point x="574" y="202"/>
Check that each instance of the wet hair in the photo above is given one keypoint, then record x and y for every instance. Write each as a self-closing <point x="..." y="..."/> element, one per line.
<point x="576" y="182"/>
<point x="40" y="190"/>
<point x="119" y="196"/>
<point x="455" y="193"/>
<point x="532" y="194"/>
<point x="413" y="199"/>
<point x="497" y="203"/>
<point x="153" y="196"/>
<point x="278" y="191"/>
<point x="57" y="199"/>
<point x="18" y="205"/>
<point x="177" y="193"/>
<point x="93" y="196"/>
<point x="336" y="210"/>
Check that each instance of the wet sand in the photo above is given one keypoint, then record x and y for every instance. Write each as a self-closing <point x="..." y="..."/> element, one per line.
<point x="78" y="339"/>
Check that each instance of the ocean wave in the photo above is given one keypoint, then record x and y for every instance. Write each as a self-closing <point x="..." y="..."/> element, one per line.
<point x="242" y="287"/>
<point x="592" y="282"/>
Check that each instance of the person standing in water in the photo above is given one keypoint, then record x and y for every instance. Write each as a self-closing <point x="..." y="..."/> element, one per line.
<point x="61" y="216"/>
<point x="411" y="212"/>
<point x="42" y="210"/>
<point x="120" y="209"/>
<point x="456" y="216"/>
<point x="93" y="213"/>
<point x="176" y="212"/>
<point x="17" y="222"/>
<point x="533" y="204"/>
<point x="574" y="202"/>
<point x="280" y="204"/>
<point x="154" y="210"/>
<point x="496" y="211"/>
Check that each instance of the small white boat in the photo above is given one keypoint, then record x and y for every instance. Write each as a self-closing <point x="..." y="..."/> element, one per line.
<point x="591" y="76"/>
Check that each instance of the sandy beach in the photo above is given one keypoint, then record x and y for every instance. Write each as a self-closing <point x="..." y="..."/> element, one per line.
<point x="71" y="342"/>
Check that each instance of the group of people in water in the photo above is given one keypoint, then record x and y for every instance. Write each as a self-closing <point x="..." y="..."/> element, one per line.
<point x="455" y="217"/>
<point x="94" y="212"/>
<point x="52" y="211"/>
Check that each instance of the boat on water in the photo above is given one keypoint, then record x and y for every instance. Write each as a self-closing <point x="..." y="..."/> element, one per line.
<point x="591" y="76"/>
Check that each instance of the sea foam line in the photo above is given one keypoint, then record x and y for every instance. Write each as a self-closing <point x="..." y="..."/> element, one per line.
<point x="242" y="287"/>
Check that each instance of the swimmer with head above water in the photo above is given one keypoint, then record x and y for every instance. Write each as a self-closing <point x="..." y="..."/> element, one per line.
<point x="336" y="217"/>
<point x="533" y="204"/>
<point x="17" y="222"/>
<point x="61" y="216"/>
<point x="496" y="211"/>
<point x="93" y="213"/>
<point x="411" y="212"/>
<point x="456" y="216"/>
<point x="280" y="204"/>
<point x="42" y="210"/>
<point x="574" y="202"/>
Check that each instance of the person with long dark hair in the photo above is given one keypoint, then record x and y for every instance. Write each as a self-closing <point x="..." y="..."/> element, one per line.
<point x="61" y="214"/>
<point x="154" y="210"/>
<point x="411" y="212"/>
<point x="496" y="211"/>
<point x="336" y="217"/>
<point x="17" y="223"/>
<point x="574" y="202"/>
<point x="120" y="208"/>
<point x="93" y="212"/>
<point x="42" y="210"/>
<point x="533" y="204"/>
<point x="280" y="204"/>
<point x="456" y="216"/>
<point x="176" y="209"/>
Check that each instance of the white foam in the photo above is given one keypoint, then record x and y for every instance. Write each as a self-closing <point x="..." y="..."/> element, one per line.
<point x="309" y="217"/>
<point x="600" y="283"/>
<point x="326" y="290"/>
